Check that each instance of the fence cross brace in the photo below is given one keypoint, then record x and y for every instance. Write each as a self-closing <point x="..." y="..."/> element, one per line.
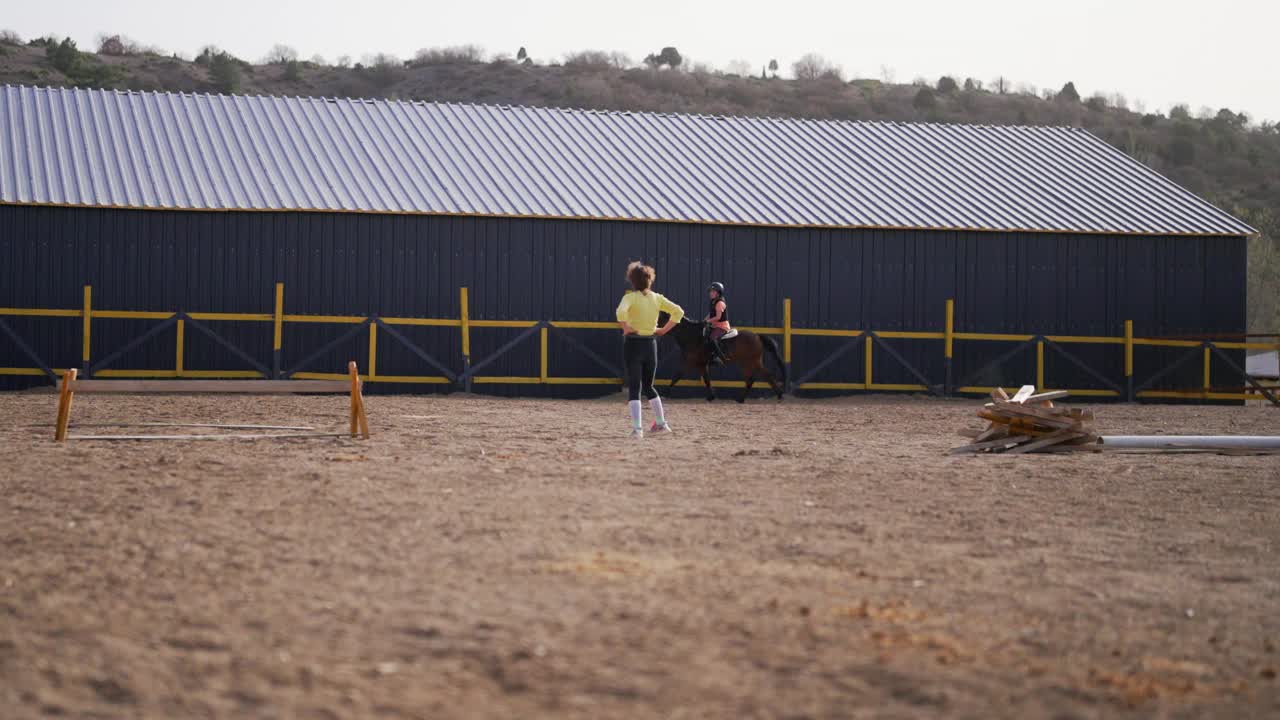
<point x="27" y="350"/>
<point x="933" y="389"/>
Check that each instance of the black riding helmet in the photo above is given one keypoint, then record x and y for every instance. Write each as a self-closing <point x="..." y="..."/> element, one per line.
<point x="718" y="287"/>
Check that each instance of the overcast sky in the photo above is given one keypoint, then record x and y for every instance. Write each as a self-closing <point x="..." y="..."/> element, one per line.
<point x="1214" y="54"/>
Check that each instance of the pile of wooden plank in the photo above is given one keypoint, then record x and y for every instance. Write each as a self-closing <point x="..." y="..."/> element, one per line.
<point x="1030" y="422"/>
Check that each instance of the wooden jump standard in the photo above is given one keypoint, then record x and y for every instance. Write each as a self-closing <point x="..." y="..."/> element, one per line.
<point x="71" y="385"/>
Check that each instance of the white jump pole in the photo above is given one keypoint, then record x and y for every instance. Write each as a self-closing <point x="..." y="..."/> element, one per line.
<point x="1191" y="442"/>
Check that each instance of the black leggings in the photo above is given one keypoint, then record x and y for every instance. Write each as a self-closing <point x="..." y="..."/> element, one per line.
<point x="640" y="354"/>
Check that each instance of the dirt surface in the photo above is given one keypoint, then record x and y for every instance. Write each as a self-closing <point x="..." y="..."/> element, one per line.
<point x="521" y="558"/>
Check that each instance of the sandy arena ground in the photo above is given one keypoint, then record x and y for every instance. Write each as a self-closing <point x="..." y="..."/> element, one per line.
<point x="491" y="558"/>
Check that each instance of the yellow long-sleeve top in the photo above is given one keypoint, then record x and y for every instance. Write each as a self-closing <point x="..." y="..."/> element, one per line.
<point x="640" y="311"/>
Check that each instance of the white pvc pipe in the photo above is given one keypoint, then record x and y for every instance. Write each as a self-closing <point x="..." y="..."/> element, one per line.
<point x="1193" y="442"/>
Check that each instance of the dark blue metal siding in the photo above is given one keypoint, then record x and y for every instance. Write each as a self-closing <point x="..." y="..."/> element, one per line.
<point x="532" y="269"/>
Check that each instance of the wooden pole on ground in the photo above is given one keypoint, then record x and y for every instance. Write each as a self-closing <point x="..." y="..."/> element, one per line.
<point x="64" y="405"/>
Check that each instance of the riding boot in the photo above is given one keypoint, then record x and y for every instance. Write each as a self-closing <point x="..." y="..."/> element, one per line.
<point x="713" y="349"/>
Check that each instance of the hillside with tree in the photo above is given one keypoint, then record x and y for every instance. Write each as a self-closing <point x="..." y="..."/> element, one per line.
<point x="1218" y="153"/>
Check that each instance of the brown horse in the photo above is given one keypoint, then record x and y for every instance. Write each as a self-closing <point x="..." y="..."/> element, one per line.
<point x="746" y="350"/>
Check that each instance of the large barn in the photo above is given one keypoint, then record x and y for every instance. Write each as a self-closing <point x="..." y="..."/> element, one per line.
<point x="204" y="235"/>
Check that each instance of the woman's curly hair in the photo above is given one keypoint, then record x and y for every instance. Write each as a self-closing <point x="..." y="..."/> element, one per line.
<point x="640" y="276"/>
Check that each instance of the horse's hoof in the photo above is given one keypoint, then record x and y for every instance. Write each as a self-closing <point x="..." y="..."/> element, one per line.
<point x="711" y="398"/>
<point x="742" y="401"/>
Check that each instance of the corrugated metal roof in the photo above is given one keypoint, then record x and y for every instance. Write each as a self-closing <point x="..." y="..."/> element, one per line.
<point x="216" y="152"/>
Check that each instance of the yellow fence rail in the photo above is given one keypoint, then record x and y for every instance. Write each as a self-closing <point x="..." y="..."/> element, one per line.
<point x="466" y="324"/>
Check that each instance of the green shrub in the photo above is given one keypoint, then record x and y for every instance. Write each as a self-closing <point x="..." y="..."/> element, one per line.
<point x="667" y="57"/>
<point x="63" y="56"/>
<point x="224" y="72"/>
<point x="1180" y="151"/>
<point x="924" y="100"/>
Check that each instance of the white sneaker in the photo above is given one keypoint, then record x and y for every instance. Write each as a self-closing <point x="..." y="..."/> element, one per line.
<point x="637" y="434"/>
<point x="663" y="428"/>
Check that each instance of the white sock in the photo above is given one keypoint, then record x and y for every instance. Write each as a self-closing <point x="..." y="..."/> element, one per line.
<point x="635" y="413"/>
<point x="656" y="405"/>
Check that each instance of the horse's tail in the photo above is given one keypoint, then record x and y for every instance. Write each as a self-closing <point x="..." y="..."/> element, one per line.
<point x="772" y="346"/>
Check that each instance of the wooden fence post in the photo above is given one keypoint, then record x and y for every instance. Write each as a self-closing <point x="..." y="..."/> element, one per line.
<point x="87" y="314"/>
<point x="179" y="345"/>
<point x="543" y="372"/>
<point x="948" y="333"/>
<point x="373" y="350"/>
<point x="278" y="333"/>
<point x="1128" y="360"/>
<point x="867" y="340"/>
<point x="465" y="321"/>
<point x="1040" y="386"/>
<point x="786" y="340"/>
<point x="1206" y="383"/>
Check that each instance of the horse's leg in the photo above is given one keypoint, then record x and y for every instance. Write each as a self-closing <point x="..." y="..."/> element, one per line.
<point x="677" y="377"/>
<point x="751" y="366"/>
<point x="770" y="378"/>
<point x="749" y="374"/>
<point x="706" y="380"/>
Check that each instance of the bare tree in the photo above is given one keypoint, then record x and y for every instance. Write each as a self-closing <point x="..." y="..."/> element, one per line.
<point x="740" y="68"/>
<point x="588" y="59"/>
<point x="446" y="55"/>
<point x="813" y="66"/>
<point x="1000" y="84"/>
<point x="281" y="54"/>
<point x="343" y="61"/>
<point x="888" y="74"/>
<point x="112" y="45"/>
<point x="620" y="60"/>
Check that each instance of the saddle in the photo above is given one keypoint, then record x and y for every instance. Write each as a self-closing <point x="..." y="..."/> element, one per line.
<point x="729" y="335"/>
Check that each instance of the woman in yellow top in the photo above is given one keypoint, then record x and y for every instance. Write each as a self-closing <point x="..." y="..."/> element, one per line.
<point x="638" y="316"/>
